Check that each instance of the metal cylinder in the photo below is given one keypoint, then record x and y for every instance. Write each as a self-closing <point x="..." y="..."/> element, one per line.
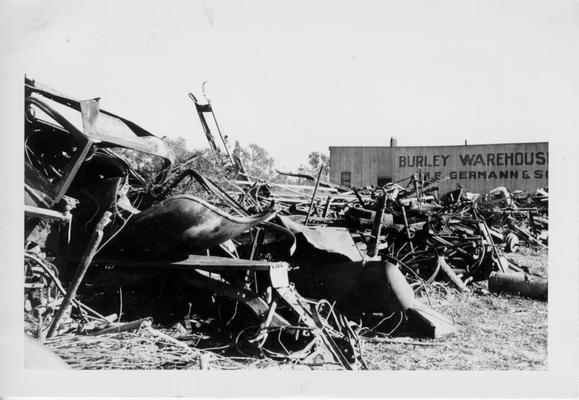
<point x="519" y="283"/>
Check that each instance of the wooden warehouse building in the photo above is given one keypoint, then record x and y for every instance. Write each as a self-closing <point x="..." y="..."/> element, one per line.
<point x="477" y="168"/>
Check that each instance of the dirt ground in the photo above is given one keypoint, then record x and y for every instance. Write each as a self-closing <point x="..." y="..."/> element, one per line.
<point x="495" y="332"/>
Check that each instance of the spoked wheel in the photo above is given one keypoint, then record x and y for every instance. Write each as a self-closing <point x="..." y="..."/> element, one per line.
<point x="419" y="261"/>
<point x="465" y="255"/>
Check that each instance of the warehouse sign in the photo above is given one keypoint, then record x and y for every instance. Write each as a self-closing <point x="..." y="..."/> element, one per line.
<point x="474" y="159"/>
<point x="477" y="168"/>
<point x="471" y="165"/>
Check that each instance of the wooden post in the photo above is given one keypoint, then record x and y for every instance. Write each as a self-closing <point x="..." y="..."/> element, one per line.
<point x="85" y="261"/>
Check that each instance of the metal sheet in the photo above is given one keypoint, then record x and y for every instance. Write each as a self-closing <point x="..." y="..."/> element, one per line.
<point x="105" y="126"/>
<point x="328" y="239"/>
<point x="179" y="225"/>
<point x="205" y="263"/>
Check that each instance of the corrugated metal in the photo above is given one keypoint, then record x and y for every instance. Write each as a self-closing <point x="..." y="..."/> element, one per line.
<point x="478" y="168"/>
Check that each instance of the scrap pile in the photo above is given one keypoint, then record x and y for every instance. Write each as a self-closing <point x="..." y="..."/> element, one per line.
<point x="240" y="266"/>
<point x="460" y="237"/>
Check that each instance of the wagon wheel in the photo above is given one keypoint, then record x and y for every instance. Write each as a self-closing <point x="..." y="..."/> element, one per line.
<point x="420" y="262"/>
<point x="465" y="254"/>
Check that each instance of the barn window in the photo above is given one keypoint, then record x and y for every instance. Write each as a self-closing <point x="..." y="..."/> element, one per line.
<point x="346" y="179"/>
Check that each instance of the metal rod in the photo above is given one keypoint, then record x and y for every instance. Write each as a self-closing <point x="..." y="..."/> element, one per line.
<point x="417" y="191"/>
<point x="327" y="207"/>
<point x="127" y="326"/>
<point x="407" y="228"/>
<point x="405" y="222"/>
<point x="500" y="260"/>
<point x="257" y="241"/>
<point x="377" y="227"/>
<point x="45" y="213"/>
<point x="217" y="124"/>
<point x="313" y="196"/>
<point x="85" y="261"/>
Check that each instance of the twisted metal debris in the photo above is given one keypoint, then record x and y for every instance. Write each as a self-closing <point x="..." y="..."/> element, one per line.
<point x="265" y="270"/>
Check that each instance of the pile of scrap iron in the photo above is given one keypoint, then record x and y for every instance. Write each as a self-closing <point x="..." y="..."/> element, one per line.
<point x="93" y="220"/>
<point x="279" y="271"/>
<point x="459" y="237"/>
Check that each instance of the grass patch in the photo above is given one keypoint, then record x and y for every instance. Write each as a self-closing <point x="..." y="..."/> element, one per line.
<point x="495" y="332"/>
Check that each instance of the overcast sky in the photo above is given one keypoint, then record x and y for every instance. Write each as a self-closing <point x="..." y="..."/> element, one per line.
<point x="297" y="76"/>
